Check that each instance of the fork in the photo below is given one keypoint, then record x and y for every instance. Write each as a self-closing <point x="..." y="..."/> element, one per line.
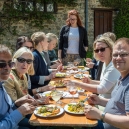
<point x="82" y="103"/>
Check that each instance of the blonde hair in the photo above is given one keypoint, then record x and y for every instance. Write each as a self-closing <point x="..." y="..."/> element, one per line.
<point x="37" y="37"/>
<point x="50" y="37"/>
<point x="111" y="35"/>
<point x="19" y="53"/>
<point x="105" y="40"/>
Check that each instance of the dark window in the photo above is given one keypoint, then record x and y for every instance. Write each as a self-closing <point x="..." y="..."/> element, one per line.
<point x="35" y="5"/>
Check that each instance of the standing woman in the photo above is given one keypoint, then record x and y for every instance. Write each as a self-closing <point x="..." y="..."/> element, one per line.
<point x="73" y="42"/>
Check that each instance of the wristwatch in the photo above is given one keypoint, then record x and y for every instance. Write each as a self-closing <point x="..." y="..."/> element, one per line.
<point x="38" y="90"/>
<point x="103" y="116"/>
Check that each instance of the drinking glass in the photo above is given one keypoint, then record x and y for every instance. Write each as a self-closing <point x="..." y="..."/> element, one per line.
<point x="77" y="61"/>
<point x="70" y="64"/>
<point x="72" y="90"/>
<point x="56" y="97"/>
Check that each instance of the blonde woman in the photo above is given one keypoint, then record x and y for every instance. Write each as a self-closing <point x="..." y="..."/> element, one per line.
<point x="109" y="75"/>
<point x="17" y="83"/>
<point x="42" y="74"/>
<point x="52" y="41"/>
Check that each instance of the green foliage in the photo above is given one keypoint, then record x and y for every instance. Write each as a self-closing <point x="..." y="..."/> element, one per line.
<point x="89" y="54"/>
<point x="10" y="15"/>
<point x="121" y="22"/>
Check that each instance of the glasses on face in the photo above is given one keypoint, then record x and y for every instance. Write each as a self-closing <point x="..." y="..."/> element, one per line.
<point x="101" y="50"/>
<point x="4" y="64"/>
<point x="22" y="60"/>
<point x="122" y="55"/>
<point x="31" y="48"/>
<point x="72" y="19"/>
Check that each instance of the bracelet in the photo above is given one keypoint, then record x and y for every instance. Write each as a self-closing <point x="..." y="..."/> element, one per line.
<point x="103" y="116"/>
<point x="59" y="57"/>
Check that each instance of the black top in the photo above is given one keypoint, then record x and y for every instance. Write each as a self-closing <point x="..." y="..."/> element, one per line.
<point x="63" y="40"/>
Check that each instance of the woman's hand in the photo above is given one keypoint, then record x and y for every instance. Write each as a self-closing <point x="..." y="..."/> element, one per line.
<point x="47" y="88"/>
<point x="90" y="65"/>
<point x="37" y="96"/>
<point x="92" y="112"/>
<point x="24" y="99"/>
<point x="52" y="75"/>
<point x="86" y="80"/>
<point x="43" y="100"/>
<point x="60" y="68"/>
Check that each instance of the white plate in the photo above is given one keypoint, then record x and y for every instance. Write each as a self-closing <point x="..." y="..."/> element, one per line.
<point x="66" y="109"/>
<point x="61" y="111"/>
<point x="79" y="76"/>
<point x="60" y="74"/>
<point x="48" y="92"/>
<point x="52" y="83"/>
<point x="71" y="71"/>
<point x="83" y="70"/>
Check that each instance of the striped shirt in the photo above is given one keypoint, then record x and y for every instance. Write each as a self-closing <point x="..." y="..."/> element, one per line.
<point x="119" y="102"/>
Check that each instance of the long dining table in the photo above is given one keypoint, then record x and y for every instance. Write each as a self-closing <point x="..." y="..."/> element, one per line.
<point x="65" y="119"/>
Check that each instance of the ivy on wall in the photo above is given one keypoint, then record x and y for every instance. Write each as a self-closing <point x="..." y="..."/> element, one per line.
<point x="10" y="14"/>
<point x="121" y="22"/>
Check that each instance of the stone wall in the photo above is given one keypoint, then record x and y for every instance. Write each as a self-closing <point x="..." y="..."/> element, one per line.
<point x="23" y="27"/>
<point x="53" y="27"/>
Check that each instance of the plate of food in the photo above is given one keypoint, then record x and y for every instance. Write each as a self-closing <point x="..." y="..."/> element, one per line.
<point x="59" y="74"/>
<point x="83" y="68"/>
<point x="74" y="108"/>
<point x="80" y="90"/>
<point x="50" y="93"/>
<point x="80" y="76"/>
<point x="48" y="111"/>
<point x="58" y="83"/>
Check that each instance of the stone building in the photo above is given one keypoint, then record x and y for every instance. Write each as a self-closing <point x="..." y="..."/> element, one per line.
<point x="86" y="9"/>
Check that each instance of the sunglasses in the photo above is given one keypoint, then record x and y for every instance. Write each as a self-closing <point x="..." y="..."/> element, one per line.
<point x="31" y="48"/>
<point x="101" y="50"/>
<point x="22" y="60"/>
<point x="4" y="64"/>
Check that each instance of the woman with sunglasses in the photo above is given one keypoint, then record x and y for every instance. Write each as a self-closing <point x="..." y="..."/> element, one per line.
<point x="109" y="75"/>
<point x="17" y="84"/>
<point x="73" y="42"/>
<point x="24" y="41"/>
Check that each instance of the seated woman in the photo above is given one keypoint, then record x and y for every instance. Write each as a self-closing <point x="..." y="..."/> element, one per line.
<point x="52" y="55"/>
<point x="17" y="83"/>
<point x="42" y="75"/>
<point x="24" y="41"/>
<point x="109" y="75"/>
<point x="52" y="41"/>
